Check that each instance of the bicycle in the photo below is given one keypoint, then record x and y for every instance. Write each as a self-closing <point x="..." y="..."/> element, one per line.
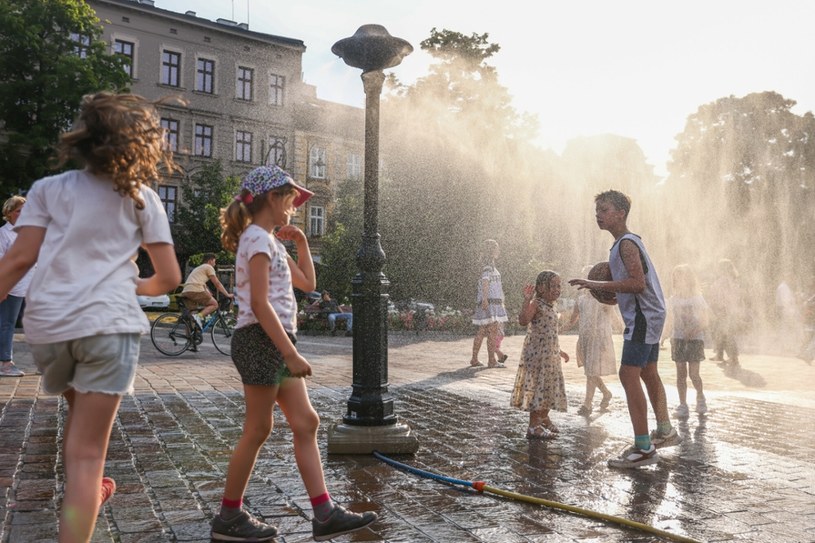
<point x="173" y="333"/>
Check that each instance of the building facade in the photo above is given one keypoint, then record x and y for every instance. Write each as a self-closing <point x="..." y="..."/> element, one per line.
<point x="246" y="102"/>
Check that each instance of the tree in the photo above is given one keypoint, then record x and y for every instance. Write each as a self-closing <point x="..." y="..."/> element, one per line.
<point x="197" y="227"/>
<point x="341" y="243"/>
<point x="457" y="168"/>
<point x="744" y="170"/>
<point x="50" y="56"/>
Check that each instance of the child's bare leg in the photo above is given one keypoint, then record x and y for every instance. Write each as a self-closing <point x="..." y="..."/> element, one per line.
<point x="696" y="379"/>
<point x="591" y="385"/>
<point x="257" y="426"/>
<point x="682" y="381"/>
<point x="656" y="392"/>
<point x="492" y="334"/>
<point x="477" y="341"/>
<point x="91" y="417"/>
<point x="304" y="421"/>
<point x="631" y="379"/>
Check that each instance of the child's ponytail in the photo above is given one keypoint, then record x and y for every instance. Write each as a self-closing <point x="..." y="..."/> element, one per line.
<point x="234" y="219"/>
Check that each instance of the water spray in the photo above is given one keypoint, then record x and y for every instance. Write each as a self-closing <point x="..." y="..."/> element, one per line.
<point x="481" y="486"/>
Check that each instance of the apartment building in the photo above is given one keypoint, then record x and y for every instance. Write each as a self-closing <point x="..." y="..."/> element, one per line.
<point x="247" y="103"/>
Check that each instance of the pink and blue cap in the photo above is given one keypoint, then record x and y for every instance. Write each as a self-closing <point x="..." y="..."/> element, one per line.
<point x="265" y="178"/>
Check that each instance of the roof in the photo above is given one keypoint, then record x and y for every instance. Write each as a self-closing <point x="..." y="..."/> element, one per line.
<point x="221" y="25"/>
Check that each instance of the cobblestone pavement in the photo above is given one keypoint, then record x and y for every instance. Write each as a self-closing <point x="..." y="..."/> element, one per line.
<point x="744" y="471"/>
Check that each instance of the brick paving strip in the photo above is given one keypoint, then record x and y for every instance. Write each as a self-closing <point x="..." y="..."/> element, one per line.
<point x="744" y="471"/>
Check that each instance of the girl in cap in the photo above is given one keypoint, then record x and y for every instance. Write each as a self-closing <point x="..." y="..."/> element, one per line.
<point x="86" y="225"/>
<point x="264" y="352"/>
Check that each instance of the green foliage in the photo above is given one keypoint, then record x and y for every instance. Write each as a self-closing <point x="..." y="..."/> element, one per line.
<point x="197" y="227"/>
<point x="747" y="165"/>
<point x="43" y="79"/>
<point x="342" y="241"/>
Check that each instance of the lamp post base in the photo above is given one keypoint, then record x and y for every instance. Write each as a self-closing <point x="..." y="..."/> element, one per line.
<point x="388" y="439"/>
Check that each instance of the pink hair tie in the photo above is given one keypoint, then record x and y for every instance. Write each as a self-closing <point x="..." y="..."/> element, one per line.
<point x="245" y="199"/>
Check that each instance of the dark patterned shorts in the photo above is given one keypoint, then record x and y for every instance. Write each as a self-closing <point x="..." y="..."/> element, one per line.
<point x="256" y="358"/>
<point x="687" y="350"/>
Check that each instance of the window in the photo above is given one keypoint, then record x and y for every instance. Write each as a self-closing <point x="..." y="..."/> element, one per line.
<point x="170" y="127"/>
<point x="354" y="166"/>
<point x="82" y="44"/>
<point x="170" y="68"/>
<point x="243" y="146"/>
<point x="316" y="163"/>
<point x="205" y="76"/>
<point x="243" y="85"/>
<point x="316" y="220"/>
<point x="203" y="140"/>
<point x="168" y="195"/>
<point x="125" y="48"/>
<point x="277" y="152"/>
<point x="276" y="89"/>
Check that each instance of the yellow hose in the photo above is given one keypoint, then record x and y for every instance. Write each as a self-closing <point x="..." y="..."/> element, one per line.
<point x="480" y="486"/>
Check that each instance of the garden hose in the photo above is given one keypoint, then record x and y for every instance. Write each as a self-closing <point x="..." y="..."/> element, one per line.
<point x="480" y="486"/>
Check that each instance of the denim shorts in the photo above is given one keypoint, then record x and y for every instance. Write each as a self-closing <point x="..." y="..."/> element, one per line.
<point x="105" y="364"/>
<point x="687" y="350"/>
<point x="639" y="354"/>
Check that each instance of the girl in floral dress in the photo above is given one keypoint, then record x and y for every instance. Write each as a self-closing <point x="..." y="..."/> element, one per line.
<point x="539" y="385"/>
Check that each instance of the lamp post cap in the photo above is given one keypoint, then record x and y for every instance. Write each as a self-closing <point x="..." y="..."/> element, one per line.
<point x="372" y="48"/>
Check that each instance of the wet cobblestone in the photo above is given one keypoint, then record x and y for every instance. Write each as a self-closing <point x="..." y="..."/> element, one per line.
<point x="744" y="472"/>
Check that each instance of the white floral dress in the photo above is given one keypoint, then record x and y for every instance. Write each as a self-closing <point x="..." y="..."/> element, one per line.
<point x="539" y="383"/>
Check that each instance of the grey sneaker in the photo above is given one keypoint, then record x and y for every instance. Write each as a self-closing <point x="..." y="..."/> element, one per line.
<point x="665" y="440"/>
<point x="633" y="458"/>
<point x="10" y="370"/>
<point x="340" y="522"/>
<point x="701" y="406"/>
<point x="244" y="527"/>
<point x="681" y="411"/>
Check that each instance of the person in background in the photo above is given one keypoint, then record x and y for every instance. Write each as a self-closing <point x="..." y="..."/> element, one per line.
<point x="83" y="227"/>
<point x="10" y="307"/>
<point x="595" y="346"/>
<point x="195" y="288"/>
<point x="687" y="321"/>
<point x="489" y="310"/>
<point x="331" y="309"/>
<point x="728" y="312"/>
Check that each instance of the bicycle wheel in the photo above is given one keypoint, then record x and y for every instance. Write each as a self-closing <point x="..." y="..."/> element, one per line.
<point x="222" y="331"/>
<point x="170" y="334"/>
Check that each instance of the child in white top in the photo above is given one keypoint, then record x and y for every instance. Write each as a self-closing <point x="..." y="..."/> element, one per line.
<point x="86" y="225"/>
<point x="264" y="353"/>
<point x="595" y="347"/>
<point x="688" y="317"/>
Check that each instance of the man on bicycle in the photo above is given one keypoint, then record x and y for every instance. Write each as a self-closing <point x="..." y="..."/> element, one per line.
<point x="196" y="291"/>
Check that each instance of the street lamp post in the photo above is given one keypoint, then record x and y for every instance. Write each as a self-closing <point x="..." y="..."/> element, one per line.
<point x="370" y="423"/>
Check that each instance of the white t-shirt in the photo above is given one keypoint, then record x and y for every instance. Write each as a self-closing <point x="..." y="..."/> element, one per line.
<point x="7" y="237"/>
<point x="85" y="281"/>
<point x="689" y="317"/>
<point x="256" y="240"/>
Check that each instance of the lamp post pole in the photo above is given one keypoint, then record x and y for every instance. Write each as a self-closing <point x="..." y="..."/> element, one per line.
<point x="370" y="423"/>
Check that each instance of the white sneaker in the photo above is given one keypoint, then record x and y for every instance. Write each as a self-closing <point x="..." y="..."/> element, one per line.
<point x="701" y="406"/>
<point x="10" y="370"/>
<point x="633" y="458"/>
<point x="665" y="440"/>
<point x="198" y="321"/>
<point x="681" y="411"/>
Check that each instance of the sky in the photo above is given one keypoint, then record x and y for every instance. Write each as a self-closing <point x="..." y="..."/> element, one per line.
<point x="584" y="67"/>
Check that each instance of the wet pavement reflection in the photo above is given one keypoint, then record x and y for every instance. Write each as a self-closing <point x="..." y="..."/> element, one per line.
<point x="743" y="472"/>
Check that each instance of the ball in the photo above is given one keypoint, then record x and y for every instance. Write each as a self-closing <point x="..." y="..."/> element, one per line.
<point x="602" y="272"/>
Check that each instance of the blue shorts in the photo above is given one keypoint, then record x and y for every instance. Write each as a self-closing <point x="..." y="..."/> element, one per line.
<point x="639" y="354"/>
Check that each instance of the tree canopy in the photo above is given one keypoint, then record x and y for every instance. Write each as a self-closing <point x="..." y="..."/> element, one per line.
<point x="50" y="56"/>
